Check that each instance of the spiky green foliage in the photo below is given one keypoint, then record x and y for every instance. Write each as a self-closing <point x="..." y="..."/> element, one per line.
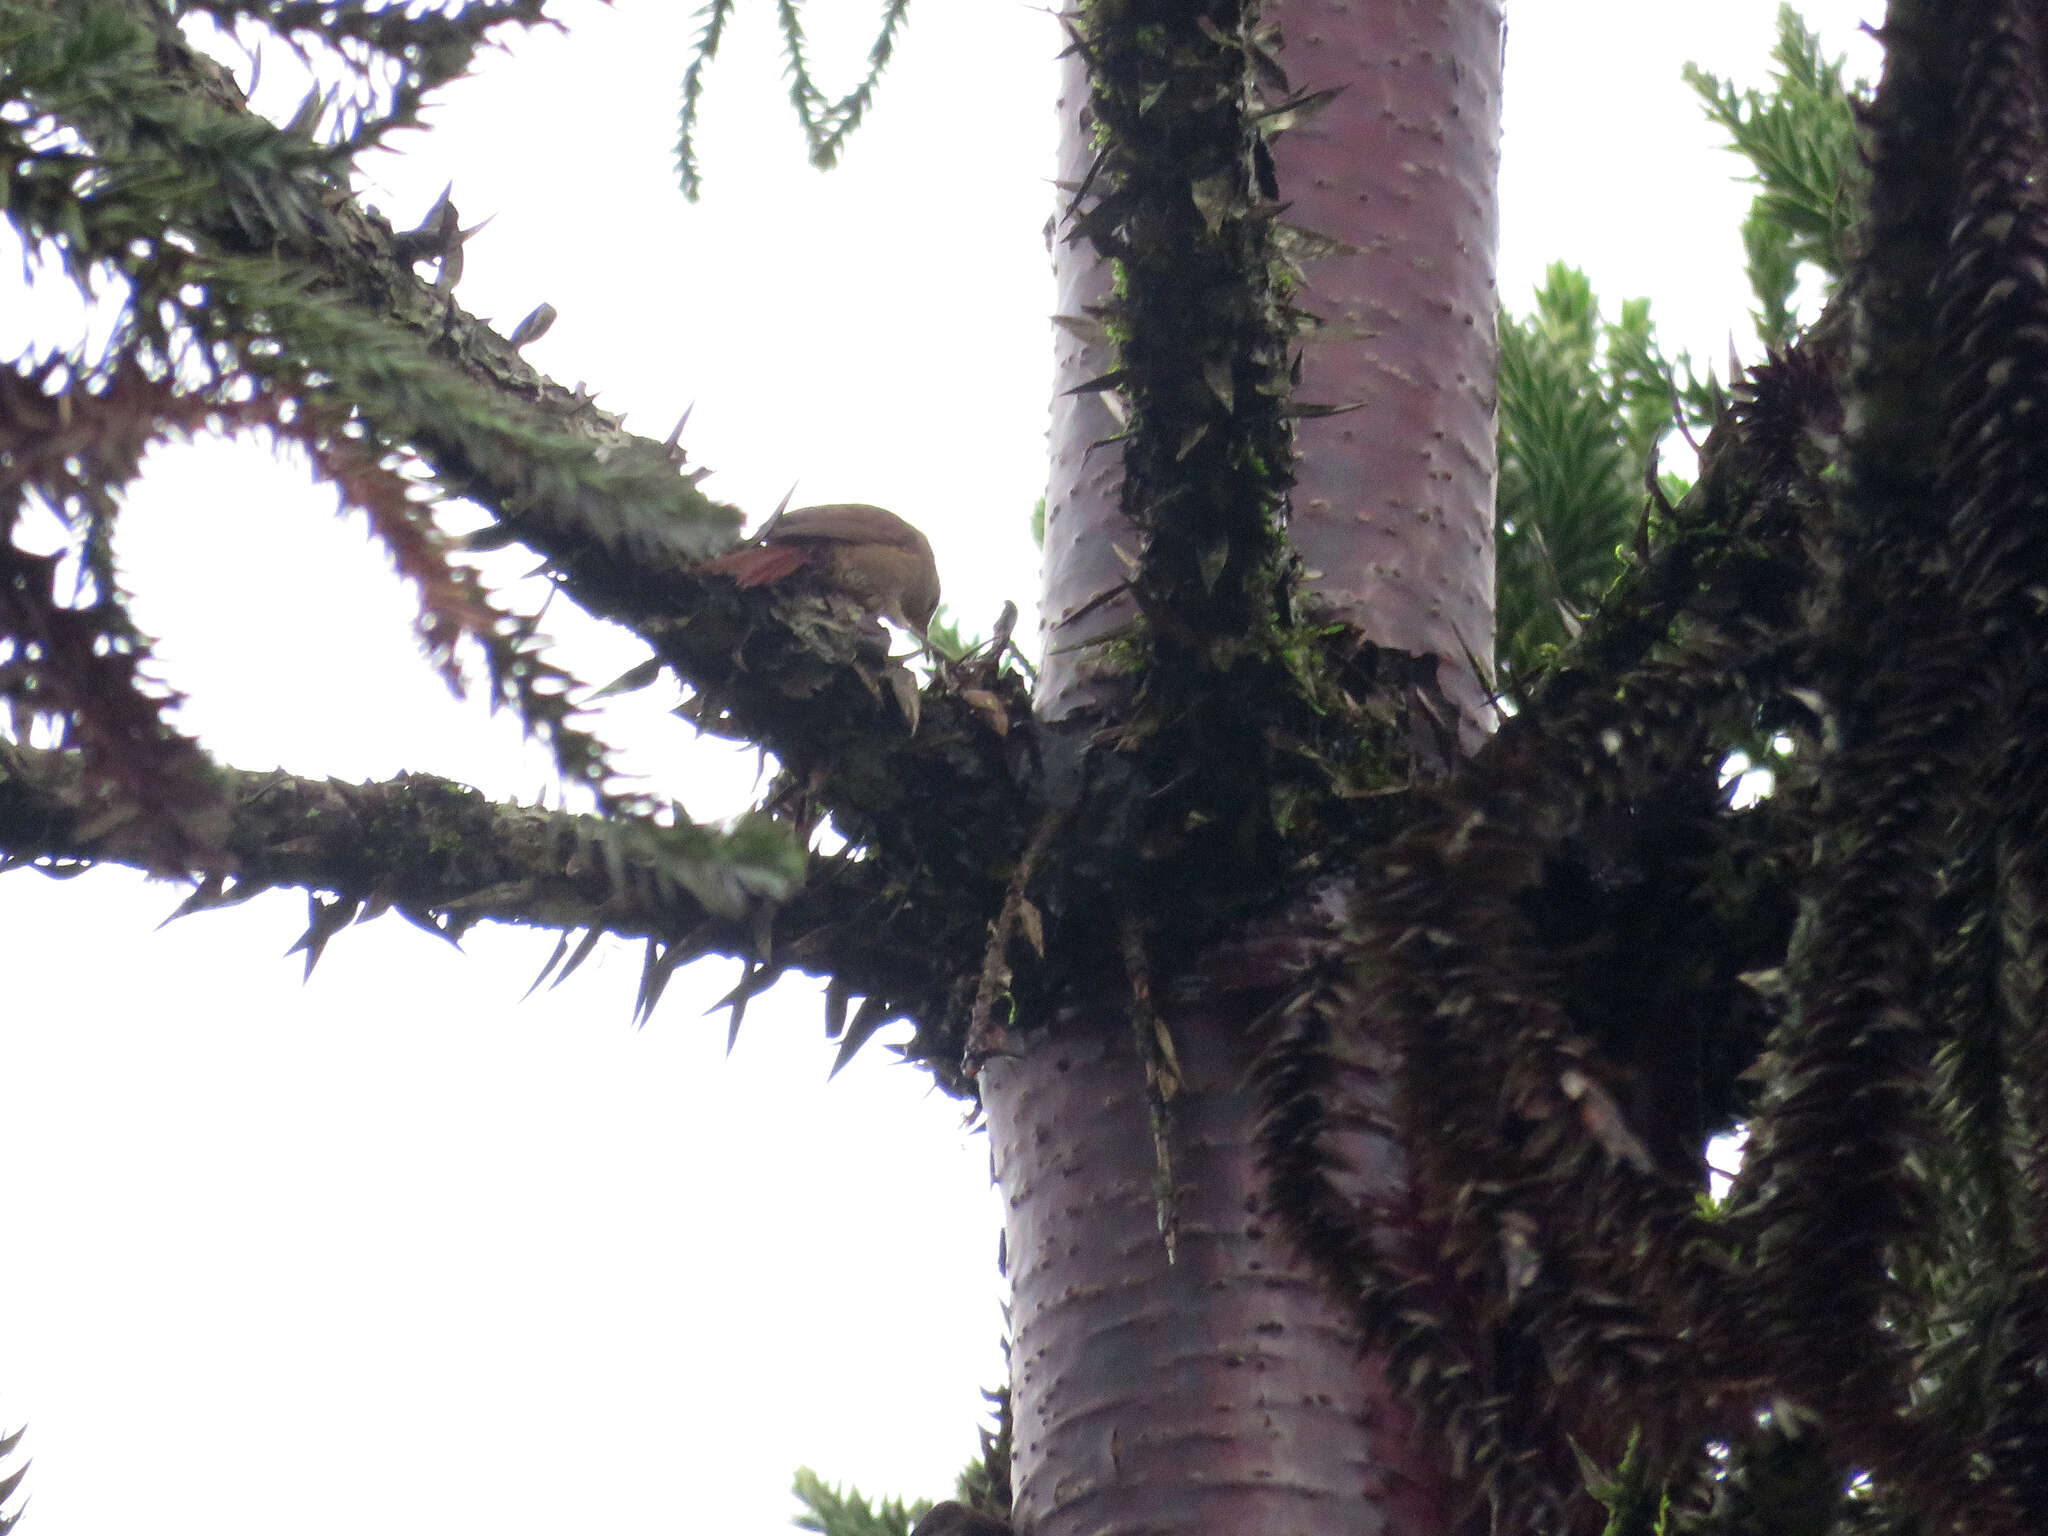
<point x="202" y="339"/>
<point x="827" y="122"/>
<point x="250" y="294"/>
<point x="715" y="15"/>
<point x="1584" y="402"/>
<point x="981" y="1493"/>
<point x="1634" y="1507"/>
<point x="1800" y="136"/>
<point x="834" y="1512"/>
<point x="261" y="296"/>
<point x="132" y="185"/>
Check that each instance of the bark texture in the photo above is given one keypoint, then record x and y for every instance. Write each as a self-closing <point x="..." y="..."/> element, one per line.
<point x="1219" y="1393"/>
<point x="1391" y="189"/>
<point x="1081" y="564"/>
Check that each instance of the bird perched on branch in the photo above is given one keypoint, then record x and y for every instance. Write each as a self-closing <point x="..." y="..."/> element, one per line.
<point x="863" y="553"/>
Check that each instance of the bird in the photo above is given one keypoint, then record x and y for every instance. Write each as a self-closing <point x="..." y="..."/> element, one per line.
<point x="864" y="553"/>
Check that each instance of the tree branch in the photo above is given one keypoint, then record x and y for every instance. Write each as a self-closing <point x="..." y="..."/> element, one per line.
<point x="257" y="219"/>
<point x="444" y="856"/>
<point x="437" y="851"/>
<point x="617" y="522"/>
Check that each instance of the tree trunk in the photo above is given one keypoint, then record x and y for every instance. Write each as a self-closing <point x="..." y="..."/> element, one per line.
<point x="1219" y="1392"/>
<point x="1390" y="191"/>
<point x="1081" y="569"/>
<point x="1393" y="186"/>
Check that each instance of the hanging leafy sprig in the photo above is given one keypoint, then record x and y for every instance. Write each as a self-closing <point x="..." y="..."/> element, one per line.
<point x="715" y="15"/>
<point x="826" y="123"/>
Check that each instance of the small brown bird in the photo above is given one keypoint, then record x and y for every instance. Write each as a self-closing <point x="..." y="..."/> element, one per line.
<point x="864" y="553"/>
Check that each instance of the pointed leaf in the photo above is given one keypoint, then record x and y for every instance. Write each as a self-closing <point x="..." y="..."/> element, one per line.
<point x="582" y="954"/>
<point x="324" y="919"/>
<point x="632" y="679"/>
<point x="872" y="1014"/>
<point x="553" y="960"/>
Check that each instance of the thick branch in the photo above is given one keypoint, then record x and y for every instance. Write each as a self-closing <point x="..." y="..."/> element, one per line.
<point x="616" y="520"/>
<point x="446" y="857"/>
<point x="436" y="850"/>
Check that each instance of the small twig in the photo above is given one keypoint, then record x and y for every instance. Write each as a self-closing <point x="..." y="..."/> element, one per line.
<point x="985" y="1037"/>
<point x="1001" y="644"/>
<point x="1162" y="1078"/>
<point x="1678" y="405"/>
<point x="1658" y="499"/>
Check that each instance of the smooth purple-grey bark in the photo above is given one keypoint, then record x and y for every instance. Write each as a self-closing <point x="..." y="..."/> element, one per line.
<point x="1221" y="1394"/>
<point x="1082" y="523"/>
<point x="1393" y="185"/>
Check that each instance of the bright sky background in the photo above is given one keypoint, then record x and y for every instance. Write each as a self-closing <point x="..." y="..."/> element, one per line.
<point x="397" y="1251"/>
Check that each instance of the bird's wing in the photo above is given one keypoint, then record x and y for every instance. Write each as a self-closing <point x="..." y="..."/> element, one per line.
<point x="757" y="564"/>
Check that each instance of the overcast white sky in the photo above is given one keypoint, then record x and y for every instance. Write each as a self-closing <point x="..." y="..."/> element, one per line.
<point x="397" y="1251"/>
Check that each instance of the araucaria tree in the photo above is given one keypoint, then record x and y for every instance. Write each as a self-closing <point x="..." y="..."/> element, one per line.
<point x="1348" y="1052"/>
